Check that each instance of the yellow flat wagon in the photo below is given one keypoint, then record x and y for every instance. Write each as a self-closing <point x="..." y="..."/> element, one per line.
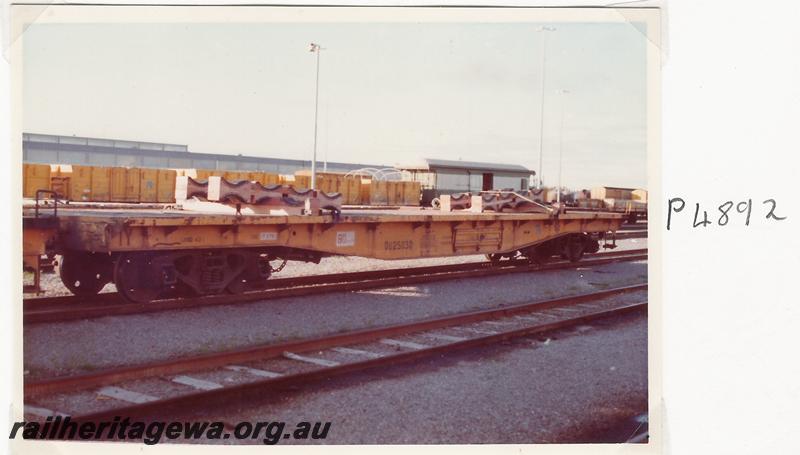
<point x="150" y="252"/>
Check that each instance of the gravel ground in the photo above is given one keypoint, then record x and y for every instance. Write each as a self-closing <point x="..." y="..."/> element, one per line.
<point x="577" y="386"/>
<point x="582" y="385"/>
<point x="51" y="283"/>
<point x="78" y="346"/>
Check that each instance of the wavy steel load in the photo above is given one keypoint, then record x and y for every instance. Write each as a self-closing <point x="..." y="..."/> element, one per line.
<point x="255" y="197"/>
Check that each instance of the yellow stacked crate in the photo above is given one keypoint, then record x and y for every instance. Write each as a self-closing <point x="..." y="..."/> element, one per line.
<point x="302" y="182"/>
<point x="148" y="185"/>
<point x="125" y="184"/>
<point x="256" y="177"/>
<point x="365" y="192"/>
<point x="100" y="184"/>
<point x="323" y="183"/>
<point x="185" y="173"/>
<point x="60" y="182"/>
<point x="88" y="183"/>
<point x="399" y="190"/>
<point x="157" y="185"/>
<point x="271" y="179"/>
<point x="353" y="185"/>
<point x="346" y="190"/>
<point x="166" y="186"/>
<point x="400" y="193"/>
<point x="604" y="192"/>
<point x="391" y="193"/>
<point x="378" y="193"/>
<point x="334" y="183"/>
<point x="203" y="174"/>
<point x="342" y="187"/>
<point x="35" y="177"/>
<point x="328" y="182"/>
<point x="411" y="193"/>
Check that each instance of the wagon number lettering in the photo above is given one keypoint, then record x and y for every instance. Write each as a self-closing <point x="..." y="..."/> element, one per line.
<point x="267" y="236"/>
<point x="398" y="245"/>
<point x="346" y="238"/>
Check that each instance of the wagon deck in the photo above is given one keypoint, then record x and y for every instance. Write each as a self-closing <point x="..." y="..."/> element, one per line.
<point x="383" y="234"/>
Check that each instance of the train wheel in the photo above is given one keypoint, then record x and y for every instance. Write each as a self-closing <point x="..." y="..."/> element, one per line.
<point x="574" y="248"/>
<point x="591" y="246"/>
<point x="85" y="273"/>
<point x="540" y="255"/>
<point x="257" y="271"/>
<point x="138" y="277"/>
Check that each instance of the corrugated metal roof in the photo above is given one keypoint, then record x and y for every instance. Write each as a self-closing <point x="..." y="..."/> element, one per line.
<point x="433" y="163"/>
<point x="103" y="146"/>
<point x="617" y="188"/>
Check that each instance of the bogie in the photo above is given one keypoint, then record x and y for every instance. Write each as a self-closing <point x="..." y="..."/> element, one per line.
<point x="570" y="247"/>
<point x="147" y="276"/>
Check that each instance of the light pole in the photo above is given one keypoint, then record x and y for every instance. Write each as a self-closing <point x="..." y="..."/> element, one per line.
<point x="544" y="31"/>
<point x="318" y="50"/>
<point x="563" y="94"/>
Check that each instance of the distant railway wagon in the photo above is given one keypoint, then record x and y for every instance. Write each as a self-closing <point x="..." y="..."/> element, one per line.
<point x="151" y="253"/>
<point x="628" y="201"/>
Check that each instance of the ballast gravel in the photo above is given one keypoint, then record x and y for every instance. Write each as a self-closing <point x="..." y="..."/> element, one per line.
<point x="578" y="385"/>
<point x="56" y="349"/>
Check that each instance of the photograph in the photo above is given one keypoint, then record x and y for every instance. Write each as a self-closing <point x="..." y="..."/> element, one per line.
<point x="311" y="225"/>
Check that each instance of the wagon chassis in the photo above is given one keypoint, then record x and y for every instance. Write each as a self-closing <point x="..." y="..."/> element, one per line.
<point x="156" y="254"/>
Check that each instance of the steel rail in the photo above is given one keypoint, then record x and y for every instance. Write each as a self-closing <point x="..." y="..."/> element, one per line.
<point x="100" y="378"/>
<point x="258" y="387"/>
<point x="633" y="227"/>
<point x="631" y="235"/>
<point x="358" y="281"/>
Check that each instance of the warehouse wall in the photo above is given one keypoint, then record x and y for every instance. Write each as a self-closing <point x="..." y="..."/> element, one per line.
<point x="50" y="149"/>
<point x="463" y="180"/>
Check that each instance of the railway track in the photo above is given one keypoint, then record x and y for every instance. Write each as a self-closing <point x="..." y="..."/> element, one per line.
<point x="633" y="227"/>
<point x="631" y="234"/>
<point x="204" y="382"/>
<point x="65" y="308"/>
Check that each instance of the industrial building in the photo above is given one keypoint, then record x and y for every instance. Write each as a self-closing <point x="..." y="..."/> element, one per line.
<point x="55" y="149"/>
<point x="455" y="176"/>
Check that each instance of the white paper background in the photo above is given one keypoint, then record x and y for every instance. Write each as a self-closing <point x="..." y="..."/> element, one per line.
<point x="731" y="125"/>
<point x="731" y="112"/>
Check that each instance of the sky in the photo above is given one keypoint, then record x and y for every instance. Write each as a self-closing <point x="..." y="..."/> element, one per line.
<point x="388" y="92"/>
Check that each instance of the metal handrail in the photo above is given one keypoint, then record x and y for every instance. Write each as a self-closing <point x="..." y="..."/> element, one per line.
<point x="55" y="202"/>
